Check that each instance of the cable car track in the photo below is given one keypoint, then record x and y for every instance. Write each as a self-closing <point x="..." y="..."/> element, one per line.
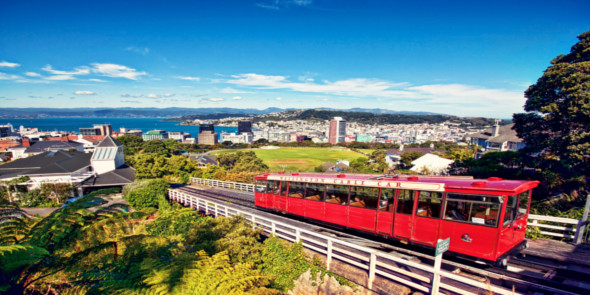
<point x="552" y="280"/>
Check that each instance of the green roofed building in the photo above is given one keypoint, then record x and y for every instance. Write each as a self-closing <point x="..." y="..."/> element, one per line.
<point x="155" y="134"/>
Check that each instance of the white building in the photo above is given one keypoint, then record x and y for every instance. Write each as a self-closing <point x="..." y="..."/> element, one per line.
<point x="108" y="156"/>
<point x="431" y="164"/>
<point x="245" y="137"/>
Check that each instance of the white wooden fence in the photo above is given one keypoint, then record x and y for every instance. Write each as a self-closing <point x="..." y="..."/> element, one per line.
<point x="246" y="187"/>
<point x="415" y="275"/>
<point x="570" y="229"/>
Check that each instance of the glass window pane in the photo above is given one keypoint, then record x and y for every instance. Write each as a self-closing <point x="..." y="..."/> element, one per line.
<point x="429" y="204"/>
<point x="387" y="197"/>
<point x="364" y="197"/>
<point x="315" y="192"/>
<point x="261" y="186"/>
<point x="296" y="189"/>
<point x="405" y="201"/>
<point x="283" y="188"/>
<point x="511" y="209"/>
<point x="476" y="209"/>
<point x="337" y="194"/>
<point x="523" y="203"/>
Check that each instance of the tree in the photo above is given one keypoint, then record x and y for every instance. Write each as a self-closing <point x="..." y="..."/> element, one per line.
<point x="131" y="143"/>
<point x="155" y="146"/>
<point x="410" y="156"/>
<point x="146" y="193"/>
<point x="556" y="125"/>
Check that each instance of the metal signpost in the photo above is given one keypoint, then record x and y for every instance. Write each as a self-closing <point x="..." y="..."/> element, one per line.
<point x="441" y="247"/>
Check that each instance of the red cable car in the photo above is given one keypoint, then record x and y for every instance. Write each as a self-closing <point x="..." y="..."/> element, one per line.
<point x="485" y="218"/>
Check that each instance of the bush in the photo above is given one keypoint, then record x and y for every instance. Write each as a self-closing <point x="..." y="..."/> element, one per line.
<point x="145" y="193"/>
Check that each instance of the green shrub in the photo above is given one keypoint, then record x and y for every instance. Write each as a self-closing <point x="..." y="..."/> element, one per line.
<point x="145" y="193"/>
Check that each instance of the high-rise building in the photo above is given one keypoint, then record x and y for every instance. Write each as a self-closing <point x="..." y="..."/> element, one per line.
<point x="208" y="137"/>
<point x="206" y="126"/>
<point x="244" y="126"/>
<point x="337" y="132"/>
<point x="5" y="131"/>
<point x="99" y="129"/>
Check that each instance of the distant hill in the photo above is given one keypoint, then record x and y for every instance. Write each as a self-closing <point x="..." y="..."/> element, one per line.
<point x="361" y="115"/>
<point x="125" y="112"/>
<point x="373" y="118"/>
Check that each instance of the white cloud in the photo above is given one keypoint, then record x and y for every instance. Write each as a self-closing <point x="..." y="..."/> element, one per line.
<point x="230" y="90"/>
<point x="4" y="76"/>
<point x="196" y="79"/>
<point x="169" y="94"/>
<point x="82" y="92"/>
<point x="139" y="50"/>
<point x="60" y="77"/>
<point x="97" y="80"/>
<point x="216" y="99"/>
<point x="117" y="71"/>
<point x="351" y="87"/>
<point x="131" y="95"/>
<point x="77" y="71"/>
<point x="280" y="4"/>
<point x="152" y="95"/>
<point x="236" y="98"/>
<point x="6" y="64"/>
<point x="33" y="74"/>
<point x="279" y="98"/>
<point x="457" y="99"/>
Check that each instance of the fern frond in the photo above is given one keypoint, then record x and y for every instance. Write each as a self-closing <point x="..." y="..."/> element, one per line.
<point x="13" y="257"/>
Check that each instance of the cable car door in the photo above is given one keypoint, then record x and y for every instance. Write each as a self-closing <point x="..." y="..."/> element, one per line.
<point x="385" y="212"/>
<point x="281" y="203"/>
<point x="404" y="219"/>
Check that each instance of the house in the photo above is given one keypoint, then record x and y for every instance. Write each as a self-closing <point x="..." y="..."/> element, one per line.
<point x="393" y="156"/>
<point x="105" y="167"/>
<point x="431" y="164"/>
<point x="204" y="160"/>
<point x="28" y="148"/>
<point x="497" y="138"/>
<point x="338" y="167"/>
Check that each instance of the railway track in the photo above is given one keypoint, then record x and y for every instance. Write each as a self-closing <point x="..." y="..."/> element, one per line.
<point x="521" y="273"/>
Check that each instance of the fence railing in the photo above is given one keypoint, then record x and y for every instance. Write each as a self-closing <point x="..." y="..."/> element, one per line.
<point x="575" y="230"/>
<point x="246" y="187"/>
<point x="415" y="275"/>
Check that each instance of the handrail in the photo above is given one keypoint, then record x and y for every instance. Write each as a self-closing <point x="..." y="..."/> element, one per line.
<point x="359" y="256"/>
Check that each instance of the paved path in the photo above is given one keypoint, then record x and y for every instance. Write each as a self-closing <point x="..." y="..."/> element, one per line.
<point x="113" y="199"/>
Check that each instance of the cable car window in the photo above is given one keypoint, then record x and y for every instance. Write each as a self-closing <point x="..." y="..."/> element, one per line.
<point x="283" y="189"/>
<point x="296" y="189"/>
<point x="523" y="203"/>
<point x="429" y="204"/>
<point x="315" y="192"/>
<point x="405" y="201"/>
<point x="261" y="186"/>
<point x="511" y="209"/>
<point x="337" y="194"/>
<point x="386" y="202"/>
<point x="364" y="197"/>
<point x="476" y="209"/>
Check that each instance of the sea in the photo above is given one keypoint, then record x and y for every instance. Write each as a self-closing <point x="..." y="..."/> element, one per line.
<point x="75" y="123"/>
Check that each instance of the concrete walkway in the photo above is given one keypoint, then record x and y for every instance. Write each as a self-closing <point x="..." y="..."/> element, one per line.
<point x="111" y="199"/>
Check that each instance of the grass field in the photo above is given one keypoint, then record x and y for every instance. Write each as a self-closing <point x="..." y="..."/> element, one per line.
<point x="299" y="159"/>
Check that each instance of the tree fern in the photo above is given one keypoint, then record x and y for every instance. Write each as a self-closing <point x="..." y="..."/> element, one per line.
<point x="13" y="257"/>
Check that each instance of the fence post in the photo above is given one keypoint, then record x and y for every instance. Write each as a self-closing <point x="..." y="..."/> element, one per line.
<point x="253" y="222"/>
<point x="582" y="223"/>
<point x="297" y="235"/>
<point x="372" y="266"/>
<point x="329" y="254"/>
<point x="274" y="228"/>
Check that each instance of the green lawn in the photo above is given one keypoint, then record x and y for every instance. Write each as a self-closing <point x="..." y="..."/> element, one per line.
<point x="299" y="159"/>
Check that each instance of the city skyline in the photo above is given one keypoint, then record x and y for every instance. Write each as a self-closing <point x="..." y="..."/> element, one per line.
<point x="462" y="58"/>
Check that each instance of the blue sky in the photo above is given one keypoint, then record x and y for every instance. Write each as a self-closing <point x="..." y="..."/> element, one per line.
<point x="465" y="58"/>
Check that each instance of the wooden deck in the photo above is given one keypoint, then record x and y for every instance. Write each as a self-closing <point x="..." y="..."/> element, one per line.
<point x="560" y="251"/>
